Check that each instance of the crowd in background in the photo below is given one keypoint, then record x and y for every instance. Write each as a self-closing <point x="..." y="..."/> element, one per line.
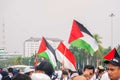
<point x="45" y="71"/>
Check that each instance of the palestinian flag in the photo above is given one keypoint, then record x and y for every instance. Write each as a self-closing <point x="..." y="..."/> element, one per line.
<point x="82" y="38"/>
<point x="66" y="56"/>
<point x="111" y="54"/>
<point x="46" y="51"/>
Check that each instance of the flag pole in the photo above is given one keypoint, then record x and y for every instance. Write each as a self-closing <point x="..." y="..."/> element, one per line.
<point x="35" y="59"/>
<point x="63" y="67"/>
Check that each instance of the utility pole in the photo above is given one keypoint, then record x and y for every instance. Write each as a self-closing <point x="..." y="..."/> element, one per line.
<point x="111" y="15"/>
<point x="3" y="36"/>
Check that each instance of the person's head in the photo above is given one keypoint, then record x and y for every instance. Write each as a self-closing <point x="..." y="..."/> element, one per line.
<point x="113" y="68"/>
<point x="29" y="70"/>
<point x="100" y="71"/>
<point x="21" y="77"/>
<point x="88" y="71"/>
<point x="45" y="67"/>
<point x="69" y="71"/>
<point x="10" y="70"/>
<point x="64" y="74"/>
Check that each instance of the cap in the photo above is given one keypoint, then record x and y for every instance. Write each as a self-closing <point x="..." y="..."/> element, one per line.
<point x="115" y="61"/>
<point x="29" y="69"/>
<point x="100" y="67"/>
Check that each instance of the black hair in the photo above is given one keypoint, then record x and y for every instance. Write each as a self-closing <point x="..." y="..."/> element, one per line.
<point x="46" y="67"/>
<point x="64" y="72"/>
<point x="89" y="67"/>
<point x="10" y="70"/>
<point x="79" y="71"/>
<point x="21" y="77"/>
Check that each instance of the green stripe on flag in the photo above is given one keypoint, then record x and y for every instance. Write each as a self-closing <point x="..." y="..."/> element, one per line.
<point x="45" y="55"/>
<point x="82" y="44"/>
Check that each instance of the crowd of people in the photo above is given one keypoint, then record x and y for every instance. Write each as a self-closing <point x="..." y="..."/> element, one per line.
<point x="45" y="71"/>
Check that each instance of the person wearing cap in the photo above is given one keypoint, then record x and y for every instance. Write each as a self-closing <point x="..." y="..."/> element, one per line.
<point x="113" y="68"/>
<point x="98" y="73"/>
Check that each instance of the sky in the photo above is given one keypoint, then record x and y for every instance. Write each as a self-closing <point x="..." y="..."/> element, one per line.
<point x="53" y="18"/>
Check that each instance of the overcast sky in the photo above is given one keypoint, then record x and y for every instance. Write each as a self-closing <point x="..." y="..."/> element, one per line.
<point x="53" y="18"/>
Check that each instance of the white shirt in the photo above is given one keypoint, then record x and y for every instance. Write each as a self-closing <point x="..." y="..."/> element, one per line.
<point x="0" y="76"/>
<point x="40" y="76"/>
<point x="105" y="76"/>
<point x="65" y="78"/>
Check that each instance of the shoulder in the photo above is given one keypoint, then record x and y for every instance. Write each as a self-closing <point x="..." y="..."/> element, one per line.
<point x="40" y="76"/>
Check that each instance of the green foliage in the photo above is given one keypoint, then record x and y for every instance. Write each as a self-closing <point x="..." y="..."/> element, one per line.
<point x="7" y="62"/>
<point x="17" y="61"/>
<point x="83" y="57"/>
<point x="98" y="38"/>
<point x="118" y="49"/>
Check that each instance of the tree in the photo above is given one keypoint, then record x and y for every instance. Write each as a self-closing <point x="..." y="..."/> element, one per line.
<point x="118" y="49"/>
<point x="19" y="60"/>
<point x="101" y="49"/>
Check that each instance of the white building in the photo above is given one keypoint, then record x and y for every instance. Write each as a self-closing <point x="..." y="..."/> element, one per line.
<point x="31" y="45"/>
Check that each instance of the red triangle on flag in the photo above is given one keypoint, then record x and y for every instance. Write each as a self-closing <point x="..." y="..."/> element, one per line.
<point x="110" y="55"/>
<point x="42" y="46"/>
<point x="75" y="32"/>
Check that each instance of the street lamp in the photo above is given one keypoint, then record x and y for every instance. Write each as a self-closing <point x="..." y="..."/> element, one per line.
<point x="111" y="15"/>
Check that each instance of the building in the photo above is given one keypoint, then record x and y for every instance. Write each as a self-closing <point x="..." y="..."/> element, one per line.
<point x="32" y="44"/>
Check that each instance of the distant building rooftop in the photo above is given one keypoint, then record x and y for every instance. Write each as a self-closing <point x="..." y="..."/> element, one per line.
<point x="38" y="39"/>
